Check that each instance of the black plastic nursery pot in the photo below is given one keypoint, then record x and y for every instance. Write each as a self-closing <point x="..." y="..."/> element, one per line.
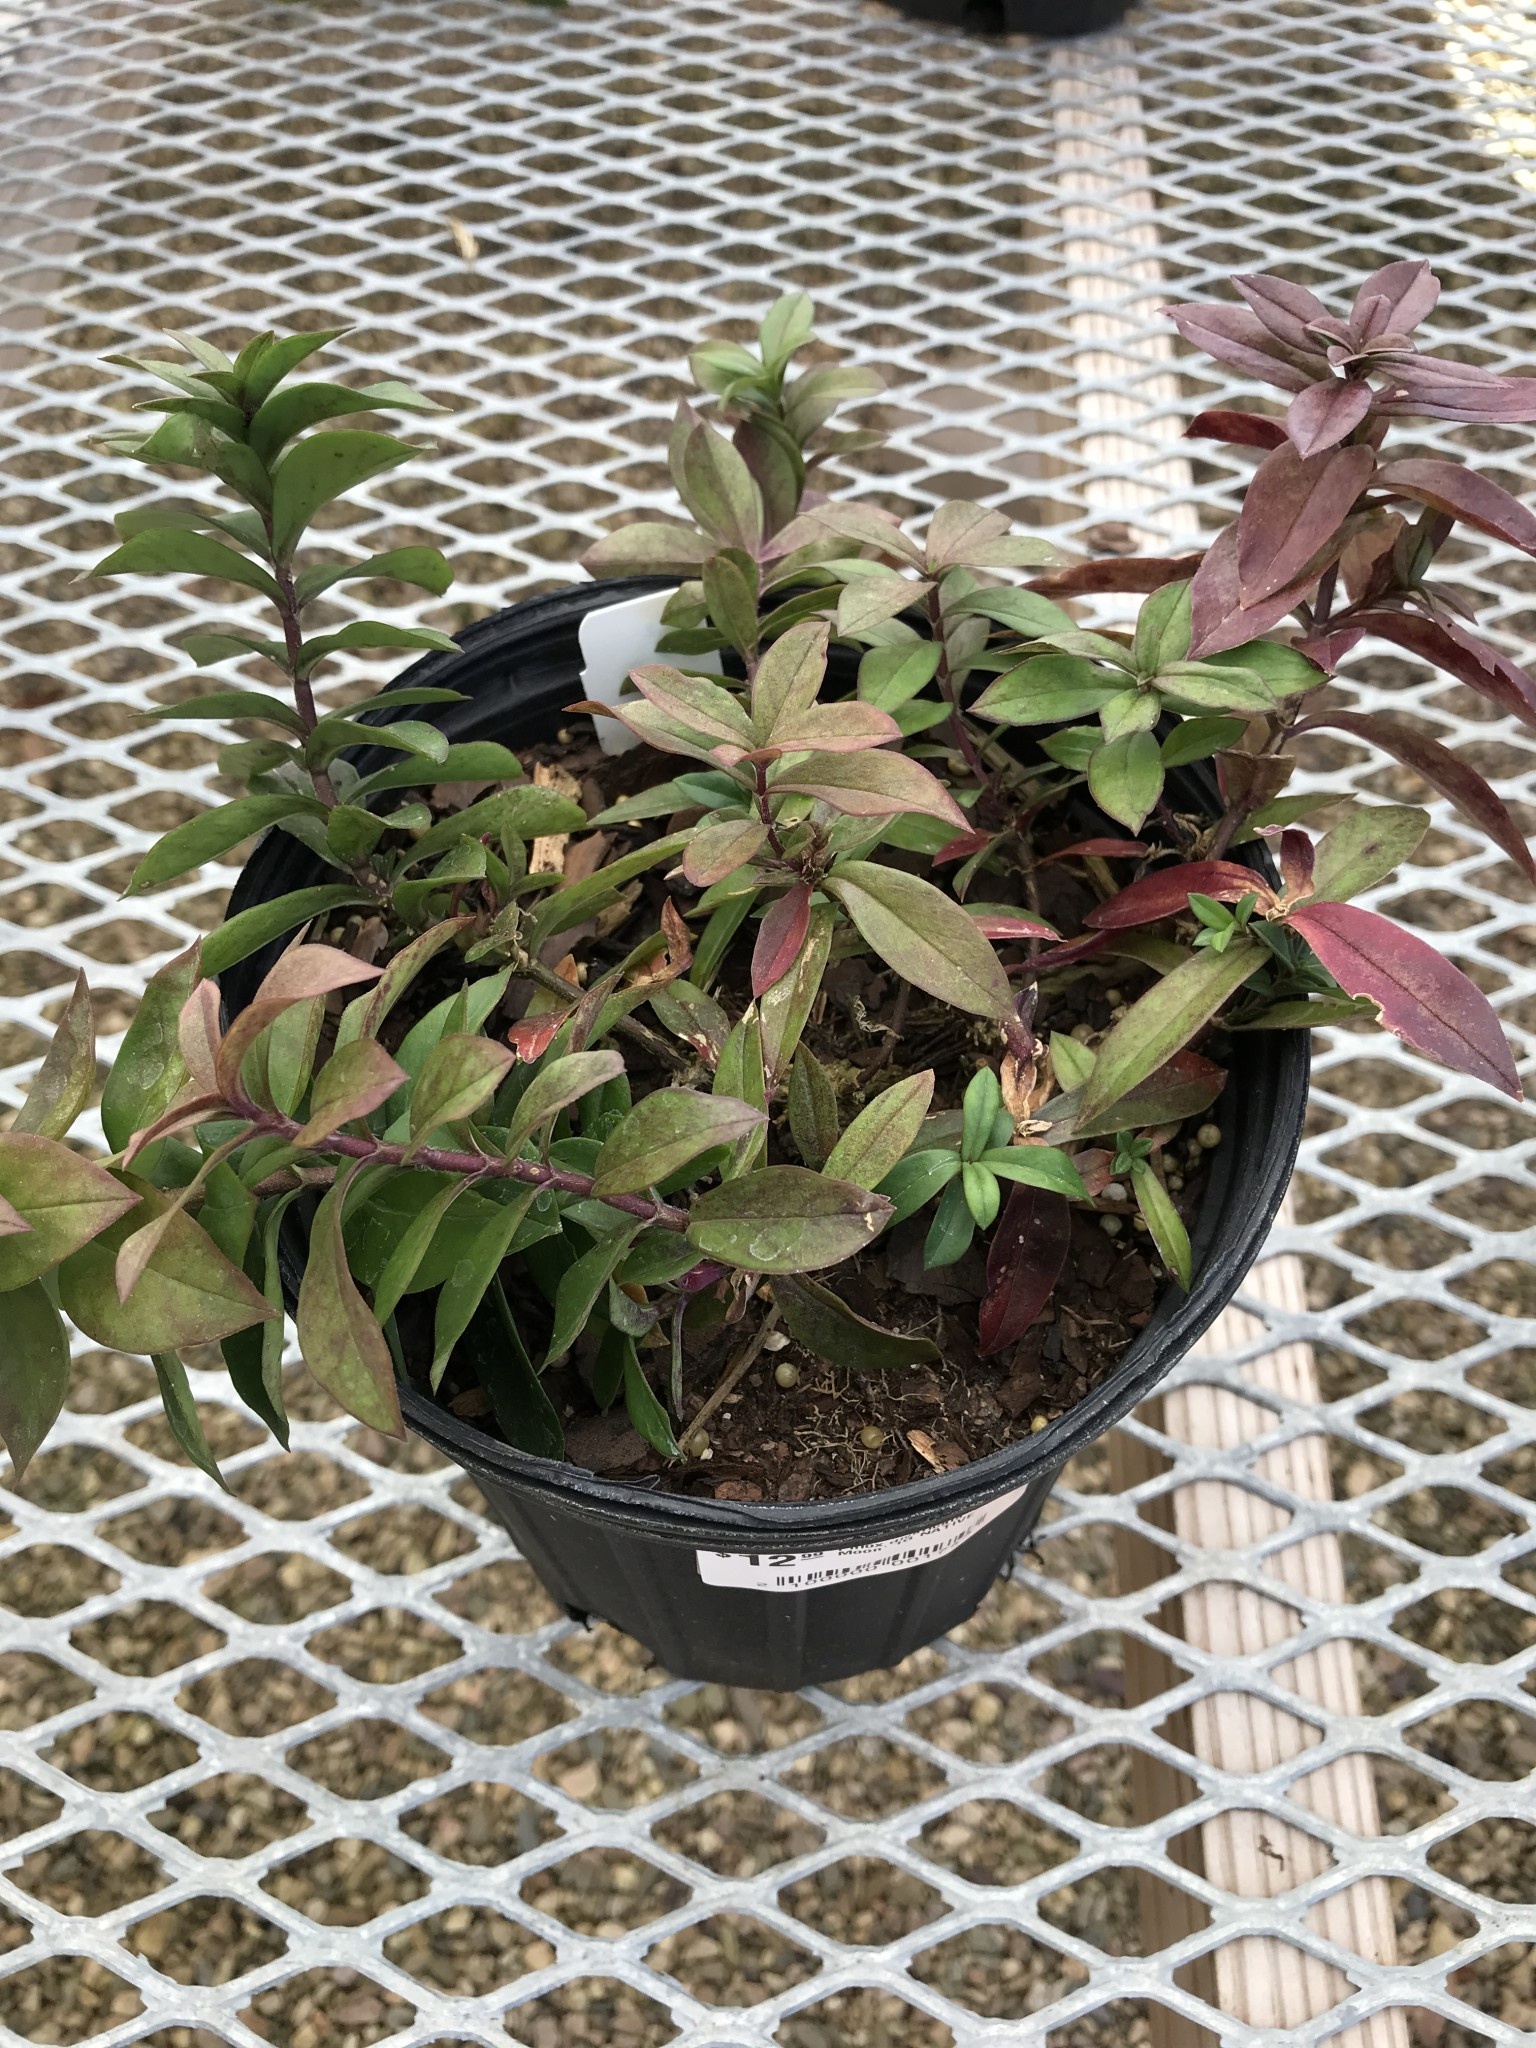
<point x="1057" y="20"/>
<point x="784" y="1595"/>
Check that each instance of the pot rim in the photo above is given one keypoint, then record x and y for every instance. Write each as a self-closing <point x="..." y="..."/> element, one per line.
<point x="1239" y="1206"/>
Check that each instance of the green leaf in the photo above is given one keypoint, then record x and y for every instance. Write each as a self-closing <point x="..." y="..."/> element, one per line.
<point x="356" y="1080"/>
<point x="271" y="365"/>
<point x="1025" y="611"/>
<point x="494" y="1349"/>
<point x="339" y="1338"/>
<point x="34" y="1371"/>
<point x="1074" y="746"/>
<point x="1071" y="1061"/>
<point x="785" y="1009"/>
<point x="1048" y="690"/>
<point x="1204" y="686"/>
<point x="924" y="935"/>
<point x="1285" y="669"/>
<point x="181" y="1413"/>
<point x="981" y="1106"/>
<point x="1163" y="630"/>
<point x="953" y="1227"/>
<point x="528" y="812"/>
<point x="883" y="1132"/>
<point x="716" y="937"/>
<point x="740" y="1075"/>
<point x="188" y="1293"/>
<point x="177" y="550"/>
<point x="63" y="1200"/>
<point x="1130" y="711"/>
<point x="322" y="468"/>
<point x="785" y="1219"/>
<point x="471" y="1274"/>
<point x="372" y="633"/>
<point x="211" y="833"/>
<point x="872" y="599"/>
<point x="471" y="761"/>
<point x="890" y="676"/>
<point x="461" y="1075"/>
<point x="813" y="1121"/>
<point x="365" y="1016"/>
<point x="820" y="1322"/>
<point x="1126" y="777"/>
<point x="302" y="406"/>
<point x="228" y="1211"/>
<point x="278" y="1066"/>
<point x="574" y="904"/>
<point x="914" y="1181"/>
<point x="424" y="567"/>
<point x="229" y="644"/>
<point x="789" y="675"/>
<point x="68" y="1073"/>
<point x="717" y="851"/>
<point x="333" y="735"/>
<point x="663" y="1132"/>
<point x="1162" y="1219"/>
<point x="254" y="1356"/>
<point x="1196" y="739"/>
<point x="583" y="1285"/>
<point x="645" y="1411"/>
<point x="1037" y="1166"/>
<point x="556" y="1086"/>
<point x="233" y="704"/>
<point x="404" y="1261"/>
<point x="1164" y="1019"/>
<point x="249" y="930"/>
<point x="1364" y="849"/>
<point x="1310" y="1014"/>
<point x="149" y="1071"/>
<point x="983" y="1197"/>
<point x="689" y="1014"/>
<point x="719" y="489"/>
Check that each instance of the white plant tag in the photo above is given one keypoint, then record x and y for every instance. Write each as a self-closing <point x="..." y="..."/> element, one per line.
<point x="785" y="1572"/>
<point x="615" y="639"/>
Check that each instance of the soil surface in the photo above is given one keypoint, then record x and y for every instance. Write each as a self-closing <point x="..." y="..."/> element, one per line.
<point x="833" y="1431"/>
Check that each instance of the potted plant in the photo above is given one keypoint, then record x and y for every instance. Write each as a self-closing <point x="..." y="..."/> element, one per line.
<point x="762" y="1149"/>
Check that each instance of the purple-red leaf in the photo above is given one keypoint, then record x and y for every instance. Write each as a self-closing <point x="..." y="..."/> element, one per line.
<point x="845" y="728"/>
<point x="1139" y="575"/>
<point x="1449" y="646"/>
<point x="1439" y="390"/>
<point x="1394" y="299"/>
<point x="1294" y="507"/>
<point x="963" y="847"/>
<point x="1287" y="310"/>
<point x="1024" y="1262"/>
<point x="1465" y="495"/>
<point x="1327" y="413"/>
<point x="1101" y="849"/>
<point x="1233" y="335"/>
<point x="1219" y="619"/>
<point x="1423" y="999"/>
<point x="1010" y="924"/>
<point x="1296" y="861"/>
<point x="1444" y="771"/>
<point x="1168" y="892"/>
<point x="780" y="937"/>
<point x="1237" y="429"/>
<point x="872" y="784"/>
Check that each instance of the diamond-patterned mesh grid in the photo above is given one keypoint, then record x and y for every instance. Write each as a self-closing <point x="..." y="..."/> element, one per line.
<point x="314" y="1762"/>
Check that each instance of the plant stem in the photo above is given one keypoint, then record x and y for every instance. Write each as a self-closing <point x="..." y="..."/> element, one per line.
<point x="472" y="1165"/>
<point x="951" y="694"/>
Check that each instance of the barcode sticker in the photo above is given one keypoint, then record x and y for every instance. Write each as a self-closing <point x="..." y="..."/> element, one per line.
<point x="798" y="1572"/>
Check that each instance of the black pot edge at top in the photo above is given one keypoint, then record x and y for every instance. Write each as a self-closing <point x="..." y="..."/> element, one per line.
<point x="531" y="650"/>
